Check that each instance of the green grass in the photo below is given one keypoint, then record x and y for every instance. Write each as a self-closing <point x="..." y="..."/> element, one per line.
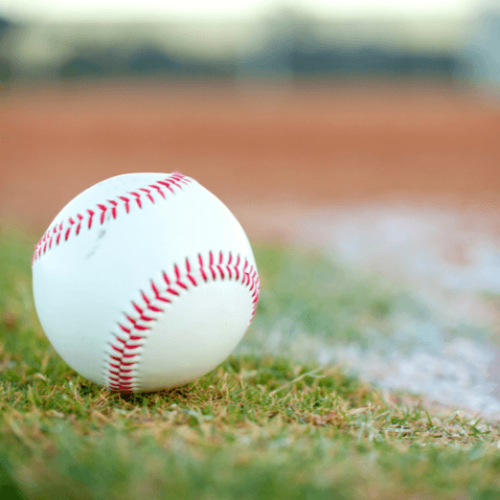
<point x="320" y="297"/>
<point x="257" y="427"/>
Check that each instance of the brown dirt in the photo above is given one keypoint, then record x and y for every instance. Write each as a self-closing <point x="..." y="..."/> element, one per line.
<point x="272" y="150"/>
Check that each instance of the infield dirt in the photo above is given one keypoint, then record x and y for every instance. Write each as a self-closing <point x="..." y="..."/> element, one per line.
<point x="268" y="151"/>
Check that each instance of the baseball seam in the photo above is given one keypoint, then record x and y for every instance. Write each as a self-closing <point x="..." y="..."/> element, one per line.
<point x="72" y="226"/>
<point x="121" y="363"/>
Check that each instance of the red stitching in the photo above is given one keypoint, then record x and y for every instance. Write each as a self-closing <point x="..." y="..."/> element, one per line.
<point x="91" y="216"/>
<point x="137" y="198"/>
<point x="158" y="188"/>
<point x="137" y="308"/>
<point x="173" y="182"/>
<point x="132" y="320"/>
<point x="167" y="185"/>
<point x="155" y="309"/>
<point x="103" y="209"/>
<point x="113" y="209"/>
<point x="157" y="294"/>
<point x="127" y="203"/>
<point x="178" y="277"/>
<point x="123" y="359"/>
<point x="80" y="218"/>
<point x="188" y="269"/>
<point x="148" y="194"/>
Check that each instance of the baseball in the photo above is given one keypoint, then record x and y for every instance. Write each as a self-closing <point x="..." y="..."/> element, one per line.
<point x="145" y="281"/>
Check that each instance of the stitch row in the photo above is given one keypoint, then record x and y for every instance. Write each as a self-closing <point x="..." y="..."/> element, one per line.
<point x="97" y="215"/>
<point x="126" y="345"/>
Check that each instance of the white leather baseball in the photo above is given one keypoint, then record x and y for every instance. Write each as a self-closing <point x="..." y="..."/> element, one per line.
<point x="145" y="281"/>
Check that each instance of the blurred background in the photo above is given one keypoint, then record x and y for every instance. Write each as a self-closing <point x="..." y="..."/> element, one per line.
<point x="369" y="129"/>
<point x="57" y="41"/>
<point x="277" y="102"/>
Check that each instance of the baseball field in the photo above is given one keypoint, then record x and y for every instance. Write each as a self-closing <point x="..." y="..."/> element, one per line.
<point x="370" y="370"/>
